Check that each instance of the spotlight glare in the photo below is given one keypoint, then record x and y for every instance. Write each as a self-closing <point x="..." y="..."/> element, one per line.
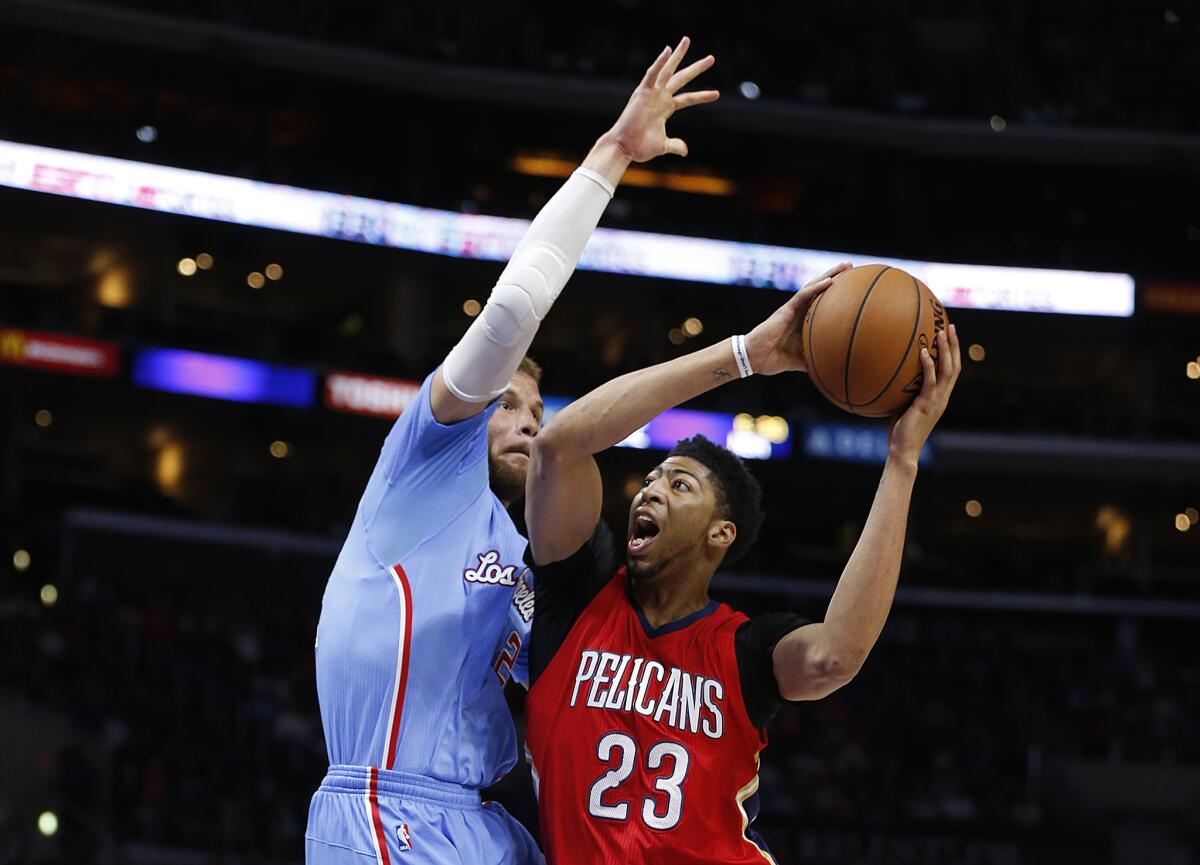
<point x="47" y="823"/>
<point x="169" y="467"/>
<point x="1193" y="370"/>
<point x="472" y="307"/>
<point x="749" y="90"/>
<point x="974" y="508"/>
<point x="114" y="288"/>
<point x="21" y="560"/>
<point x="280" y="449"/>
<point x="693" y="326"/>
<point x="998" y="123"/>
<point x="255" y="279"/>
<point x="186" y="267"/>
<point x="49" y="595"/>
<point x="274" y="272"/>
<point x="976" y="352"/>
<point x="1182" y="523"/>
<point x="204" y="261"/>
<point x="1192" y="515"/>
<point x="43" y="418"/>
<point x="147" y="134"/>
<point x="675" y="335"/>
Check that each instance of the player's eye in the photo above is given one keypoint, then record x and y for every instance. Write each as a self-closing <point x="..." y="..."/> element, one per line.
<point x="506" y="405"/>
<point x="646" y="482"/>
<point x="681" y="485"/>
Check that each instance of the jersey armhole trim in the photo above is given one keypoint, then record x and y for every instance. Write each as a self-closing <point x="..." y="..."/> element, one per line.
<point x="366" y="528"/>
<point x="743" y="708"/>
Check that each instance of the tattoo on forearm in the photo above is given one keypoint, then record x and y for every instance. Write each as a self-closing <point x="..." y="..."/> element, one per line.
<point x="720" y="374"/>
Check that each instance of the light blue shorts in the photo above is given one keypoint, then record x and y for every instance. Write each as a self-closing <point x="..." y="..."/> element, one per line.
<point x="362" y="815"/>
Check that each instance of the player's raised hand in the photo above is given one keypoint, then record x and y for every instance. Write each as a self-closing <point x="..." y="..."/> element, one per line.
<point x="912" y="427"/>
<point x="774" y="346"/>
<point x="641" y="131"/>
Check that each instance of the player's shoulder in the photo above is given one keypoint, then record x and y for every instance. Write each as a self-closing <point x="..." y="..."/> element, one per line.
<point x="612" y="591"/>
<point x="714" y="632"/>
<point x="726" y="618"/>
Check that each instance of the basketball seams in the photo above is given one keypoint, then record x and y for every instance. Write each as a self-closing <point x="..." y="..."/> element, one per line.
<point x="907" y="350"/>
<point x="854" y="329"/>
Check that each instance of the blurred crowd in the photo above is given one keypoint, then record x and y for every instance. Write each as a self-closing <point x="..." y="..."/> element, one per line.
<point x="953" y="714"/>
<point x="190" y="710"/>
<point x="192" y="707"/>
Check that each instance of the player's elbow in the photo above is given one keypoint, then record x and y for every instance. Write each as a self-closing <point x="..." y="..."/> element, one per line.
<point x="822" y="674"/>
<point x="547" y="445"/>
<point x="553" y="447"/>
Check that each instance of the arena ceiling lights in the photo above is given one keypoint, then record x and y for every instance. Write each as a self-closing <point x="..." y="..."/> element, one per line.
<point x="326" y="214"/>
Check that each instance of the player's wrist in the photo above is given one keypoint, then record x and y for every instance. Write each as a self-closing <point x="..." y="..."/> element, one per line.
<point x="608" y="158"/>
<point x="739" y="344"/>
<point x="762" y="351"/>
<point x="903" y="461"/>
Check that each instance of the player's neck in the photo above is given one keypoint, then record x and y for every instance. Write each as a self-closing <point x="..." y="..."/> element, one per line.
<point x="668" y="597"/>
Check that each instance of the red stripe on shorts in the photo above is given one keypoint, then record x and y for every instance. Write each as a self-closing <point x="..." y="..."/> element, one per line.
<point x="376" y="821"/>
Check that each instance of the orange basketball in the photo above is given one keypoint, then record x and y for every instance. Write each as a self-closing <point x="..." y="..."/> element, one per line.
<point x="862" y="338"/>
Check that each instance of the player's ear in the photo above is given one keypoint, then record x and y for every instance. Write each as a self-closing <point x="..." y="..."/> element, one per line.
<point x="721" y="535"/>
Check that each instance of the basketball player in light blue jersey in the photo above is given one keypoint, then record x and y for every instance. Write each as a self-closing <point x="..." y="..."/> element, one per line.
<point x="428" y="606"/>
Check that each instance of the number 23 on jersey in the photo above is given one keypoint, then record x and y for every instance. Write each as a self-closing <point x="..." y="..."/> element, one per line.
<point x="666" y="761"/>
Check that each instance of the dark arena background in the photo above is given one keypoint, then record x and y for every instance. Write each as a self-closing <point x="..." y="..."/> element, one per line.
<point x="293" y="192"/>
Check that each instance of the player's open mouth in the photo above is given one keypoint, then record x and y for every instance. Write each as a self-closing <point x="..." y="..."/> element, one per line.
<point x="645" y="530"/>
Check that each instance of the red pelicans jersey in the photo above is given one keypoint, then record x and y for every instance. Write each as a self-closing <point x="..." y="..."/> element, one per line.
<point x="642" y="745"/>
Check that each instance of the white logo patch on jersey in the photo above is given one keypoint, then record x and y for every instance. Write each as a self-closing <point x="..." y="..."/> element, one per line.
<point x="491" y="572"/>
<point x="523" y="599"/>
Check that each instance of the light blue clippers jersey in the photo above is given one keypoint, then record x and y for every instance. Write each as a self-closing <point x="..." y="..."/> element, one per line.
<point x="426" y="611"/>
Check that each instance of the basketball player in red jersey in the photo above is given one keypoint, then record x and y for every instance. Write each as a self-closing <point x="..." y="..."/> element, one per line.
<point x="649" y="701"/>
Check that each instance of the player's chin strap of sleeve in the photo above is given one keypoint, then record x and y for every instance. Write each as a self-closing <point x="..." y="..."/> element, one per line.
<point x="479" y="368"/>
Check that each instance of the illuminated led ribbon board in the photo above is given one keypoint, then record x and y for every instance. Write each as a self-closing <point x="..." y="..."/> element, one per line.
<point x="218" y="376"/>
<point x="59" y="352"/>
<point x="326" y="214"/>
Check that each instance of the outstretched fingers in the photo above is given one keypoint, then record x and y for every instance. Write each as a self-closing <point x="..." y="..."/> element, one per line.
<point x="651" y="76"/>
<point x="673" y="62"/>
<point x="685" y="76"/>
<point x="685" y="100"/>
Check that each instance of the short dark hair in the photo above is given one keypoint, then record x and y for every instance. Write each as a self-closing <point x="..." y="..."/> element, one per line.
<point x="738" y="493"/>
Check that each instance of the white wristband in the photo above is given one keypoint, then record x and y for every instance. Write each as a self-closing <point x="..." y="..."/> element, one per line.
<point x="740" y="357"/>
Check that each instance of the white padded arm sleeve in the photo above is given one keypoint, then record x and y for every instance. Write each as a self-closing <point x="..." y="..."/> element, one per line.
<point x="479" y="368"/>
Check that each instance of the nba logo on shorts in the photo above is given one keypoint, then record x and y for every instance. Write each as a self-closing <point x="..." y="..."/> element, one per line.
<point x="404" y="841"/>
